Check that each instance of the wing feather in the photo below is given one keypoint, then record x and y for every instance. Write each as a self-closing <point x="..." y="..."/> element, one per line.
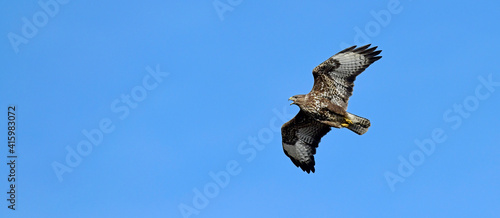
<point x="301" y="136"/>
<point x="334" y="78"/>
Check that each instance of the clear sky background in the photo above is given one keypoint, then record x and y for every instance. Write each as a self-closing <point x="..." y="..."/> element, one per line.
<point x="207" y="91"/>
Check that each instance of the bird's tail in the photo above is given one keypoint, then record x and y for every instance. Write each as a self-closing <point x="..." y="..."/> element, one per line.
<point x="359" y="124"/>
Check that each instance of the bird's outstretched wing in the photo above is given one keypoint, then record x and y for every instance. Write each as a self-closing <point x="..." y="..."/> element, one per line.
<point x="334" y="78"/>
<point x="301" y="136"/>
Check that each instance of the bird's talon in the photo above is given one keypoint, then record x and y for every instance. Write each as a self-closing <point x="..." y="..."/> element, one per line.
<point x="348" y="121"/>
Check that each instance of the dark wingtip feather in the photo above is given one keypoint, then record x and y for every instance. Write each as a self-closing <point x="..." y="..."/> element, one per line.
<point x="375" y="53"/>
<point x="362" y="48"/>
<point x="348" y="49"/>
<point x="373" y="59"/>
<point x="307" y="169"/>
<point x="370" y="53"/>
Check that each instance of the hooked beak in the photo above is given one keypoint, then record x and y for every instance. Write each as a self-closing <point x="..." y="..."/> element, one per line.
<point x="291" y="99"/>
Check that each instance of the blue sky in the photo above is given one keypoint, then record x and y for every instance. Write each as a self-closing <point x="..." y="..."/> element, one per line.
<point x="173" y="109"/>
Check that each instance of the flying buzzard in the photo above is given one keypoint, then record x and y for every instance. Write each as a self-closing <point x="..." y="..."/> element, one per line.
<point x="326" y="105"/>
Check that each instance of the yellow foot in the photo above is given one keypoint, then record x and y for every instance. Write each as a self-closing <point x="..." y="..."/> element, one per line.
<point x="347" y="120"/>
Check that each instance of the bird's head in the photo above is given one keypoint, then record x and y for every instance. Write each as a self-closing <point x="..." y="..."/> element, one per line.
<point x="297" y="99"/>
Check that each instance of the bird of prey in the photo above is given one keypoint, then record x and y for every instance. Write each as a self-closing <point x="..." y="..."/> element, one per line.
<point x="325" y="106"/>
